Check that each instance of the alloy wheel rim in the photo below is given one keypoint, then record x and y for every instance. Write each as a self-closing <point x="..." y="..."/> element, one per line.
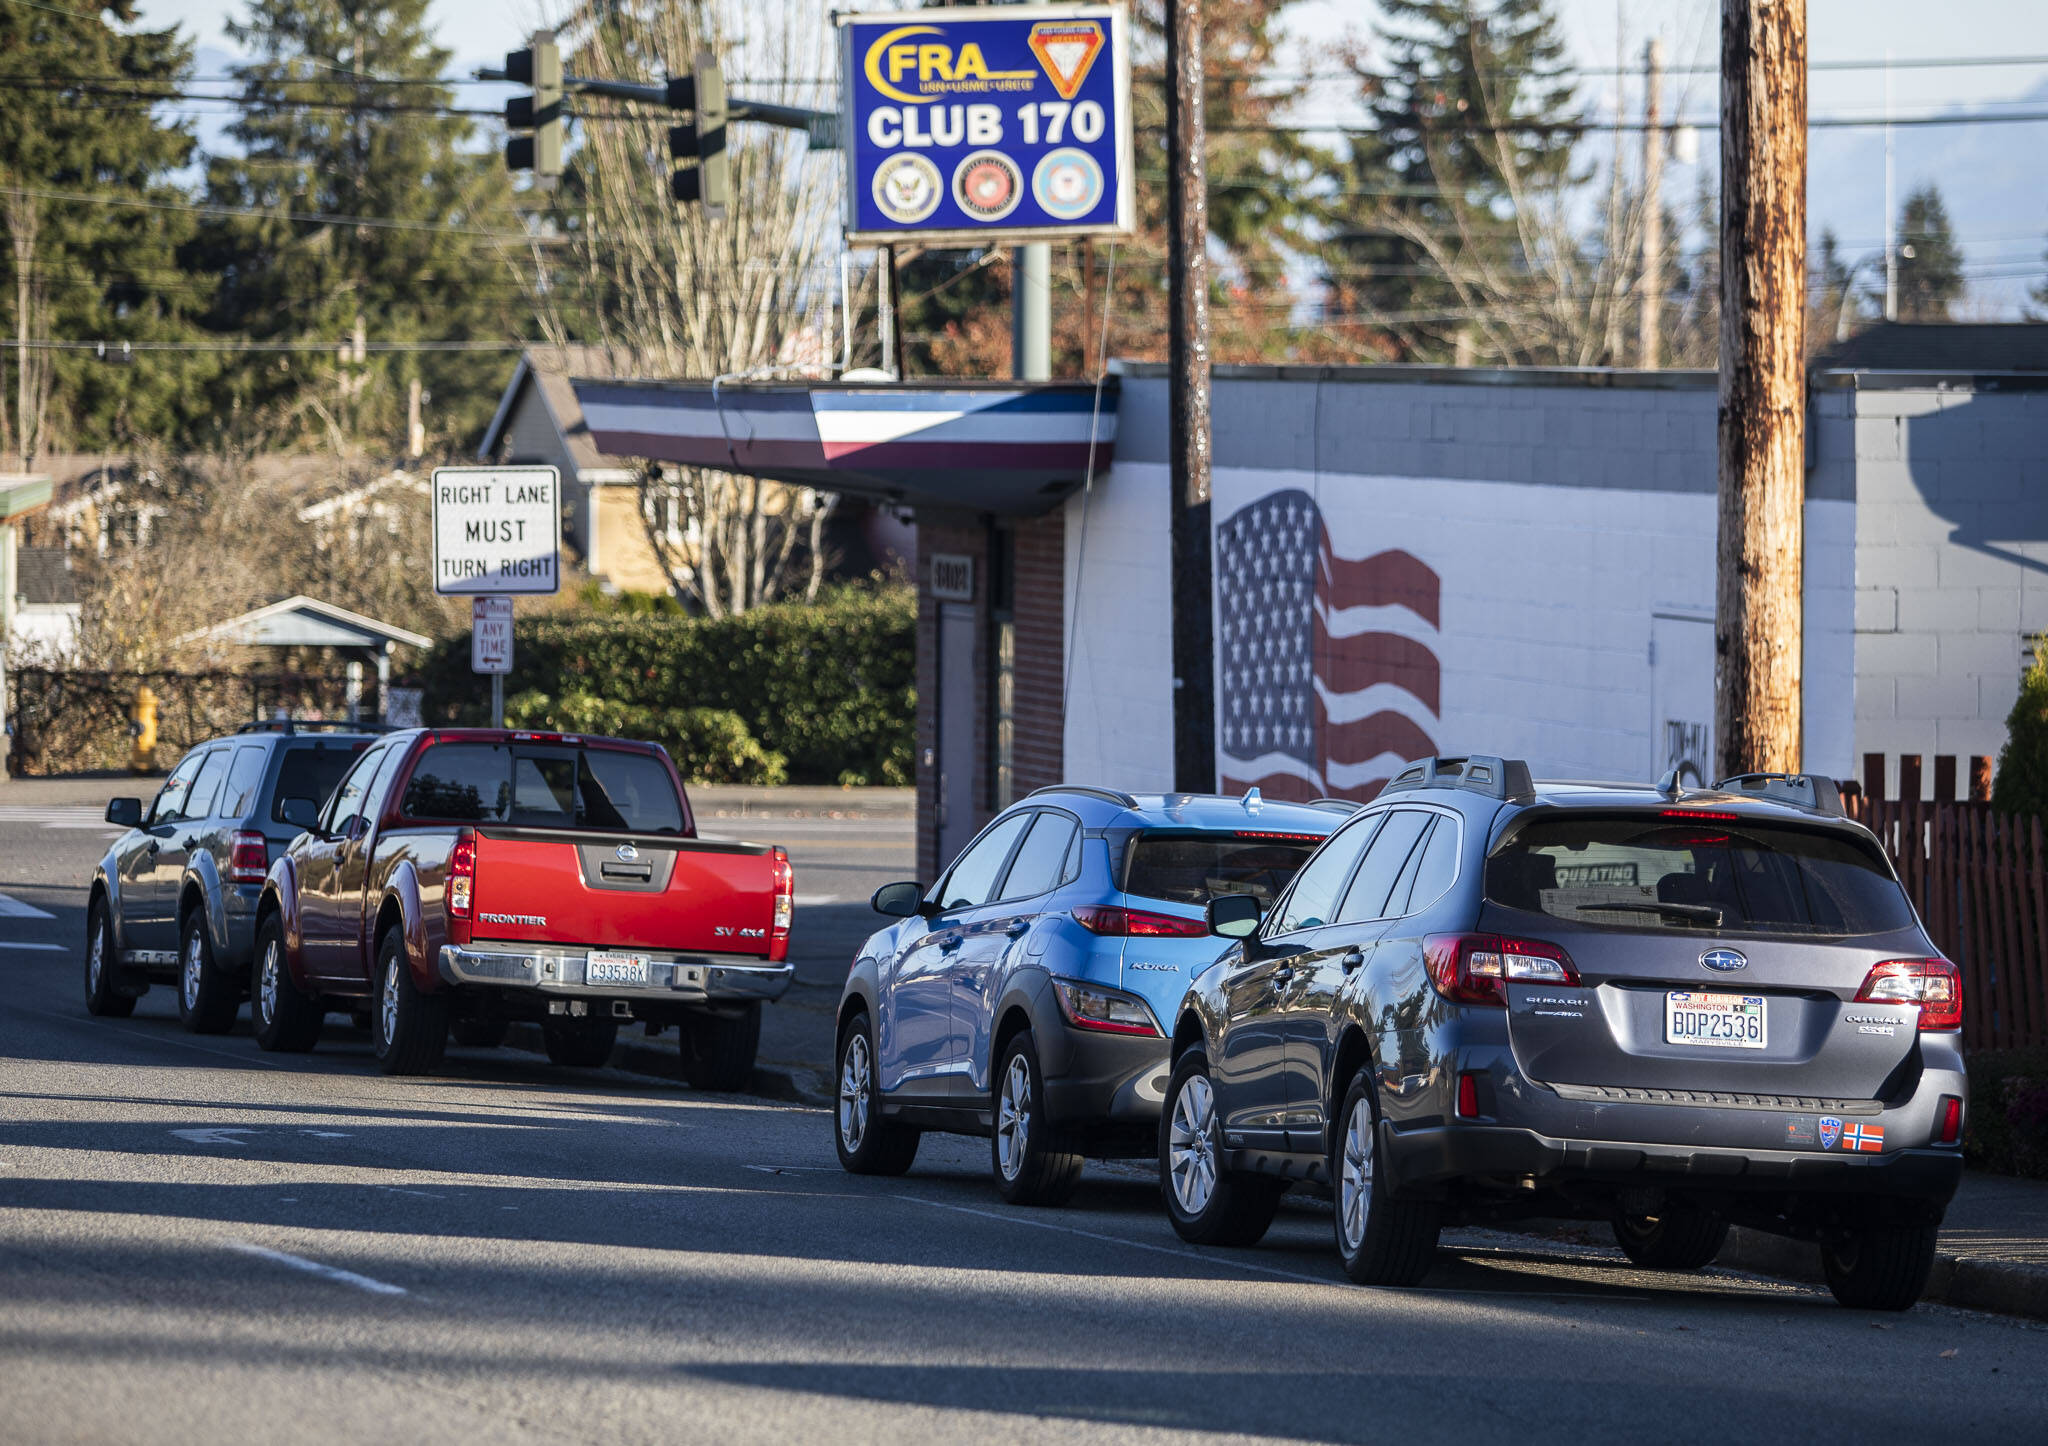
<point x="854" y="1073"/>
<point x="1191" y="1145"/>
<point x="388" y="1012"/>
<point x="1354" y="1204"/>
<point x="1013" y="1118"/>
<point x="266" y="991"/>
<point x="190" y="978"/>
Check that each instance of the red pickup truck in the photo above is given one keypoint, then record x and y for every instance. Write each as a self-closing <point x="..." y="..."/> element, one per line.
<point x="459" y="880"/>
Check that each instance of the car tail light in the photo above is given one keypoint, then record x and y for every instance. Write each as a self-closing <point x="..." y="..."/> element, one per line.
<point x="1934" y="984"/>
<point x="1115" y="921"/>
<point x="785" y="907"/>
<point x="1105" y="1010"/>
<point x="248" y="857"/>
<point x="461" y="886"/>
<point x="1468" y="1096"/>
<point x="1695" y="814"/>
<point x="1477" y="968"/>
<point x="1951" y="1120"/>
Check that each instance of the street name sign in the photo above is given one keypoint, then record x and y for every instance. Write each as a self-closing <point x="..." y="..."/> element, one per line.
<point x="490" y="635"/>
<point x="1000" y="124"/>
<point x="497" y="531"/>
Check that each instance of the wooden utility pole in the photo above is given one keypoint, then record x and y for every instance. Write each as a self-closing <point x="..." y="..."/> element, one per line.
<point x="1649" y="333"/>
<point x="1758" y="623"/>
<point x="1187" y="361"/>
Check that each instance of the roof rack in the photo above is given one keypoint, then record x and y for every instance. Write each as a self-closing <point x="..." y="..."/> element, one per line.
<point x="1336" y="805"/>
<point x="314" y="725"/>
<point x="1110" y="795"/>
<point x="1504" y="778"/>
<point x="1806" y="790"/>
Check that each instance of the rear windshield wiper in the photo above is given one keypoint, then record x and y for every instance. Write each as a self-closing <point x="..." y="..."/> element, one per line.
<point x="1709" y="914"/>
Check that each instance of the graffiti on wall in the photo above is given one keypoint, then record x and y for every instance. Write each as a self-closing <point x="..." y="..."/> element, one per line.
<point x="1327" y="668"/>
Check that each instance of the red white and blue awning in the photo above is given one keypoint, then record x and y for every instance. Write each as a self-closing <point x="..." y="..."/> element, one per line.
<point x="987" y="446"/>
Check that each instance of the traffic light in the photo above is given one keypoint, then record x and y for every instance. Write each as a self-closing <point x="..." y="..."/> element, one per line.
<point x="540" y="113"/>
<point x="700" y="141"/>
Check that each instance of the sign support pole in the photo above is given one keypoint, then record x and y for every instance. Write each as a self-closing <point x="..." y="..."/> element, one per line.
<point x="1031" y="312"/>
<point x="497" y="700"/>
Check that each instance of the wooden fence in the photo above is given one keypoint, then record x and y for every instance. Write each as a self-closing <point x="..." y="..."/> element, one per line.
<point x="1980" y="882"/>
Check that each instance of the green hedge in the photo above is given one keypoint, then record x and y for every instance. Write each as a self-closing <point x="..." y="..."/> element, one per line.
<point x="2008" y="1115"/>
<point x="825" y="689"/>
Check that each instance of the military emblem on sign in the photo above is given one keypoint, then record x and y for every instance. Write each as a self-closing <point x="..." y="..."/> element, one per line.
<point x="987" y="186"/>
<point x="1066" y="48"/>
<point x="1067" y="183"/>
<point x="1830" y="1132"/>
<point x="907" y="188"/>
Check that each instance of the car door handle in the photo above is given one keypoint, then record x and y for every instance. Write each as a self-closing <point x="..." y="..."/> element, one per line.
<point x="1282" y="975"/>
<point x="948" y="944"/>
<point x="1019" y="929"/>
<point x="1353" y="960"/>
<point x="155" y="846"/>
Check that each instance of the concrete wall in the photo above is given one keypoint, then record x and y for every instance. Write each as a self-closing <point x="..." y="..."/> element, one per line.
<point x="1951" y="483"/>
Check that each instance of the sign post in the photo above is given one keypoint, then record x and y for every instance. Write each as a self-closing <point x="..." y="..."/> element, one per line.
<point x="497" y="535"/>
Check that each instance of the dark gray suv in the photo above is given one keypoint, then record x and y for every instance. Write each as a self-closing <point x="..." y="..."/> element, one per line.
<point x="174" y="900"/>
<point x="1485" y="997"/>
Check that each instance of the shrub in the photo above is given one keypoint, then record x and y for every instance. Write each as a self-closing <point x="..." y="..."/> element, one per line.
<point x="2022" y="781"/>
<point x="2008" y="1114"/>
<point x="709" y="745"/>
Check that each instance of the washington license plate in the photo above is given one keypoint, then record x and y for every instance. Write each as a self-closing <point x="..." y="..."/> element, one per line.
<point x="1724" y="1021"/>
<point x="612" y="968"/>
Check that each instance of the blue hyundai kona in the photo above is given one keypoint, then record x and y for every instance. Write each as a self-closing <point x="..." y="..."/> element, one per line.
<point x="1021" y="996"/>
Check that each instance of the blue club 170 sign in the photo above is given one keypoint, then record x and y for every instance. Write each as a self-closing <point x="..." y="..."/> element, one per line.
<point x="1001" y="124"/>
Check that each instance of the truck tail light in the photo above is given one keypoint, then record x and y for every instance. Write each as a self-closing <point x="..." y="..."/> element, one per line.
<point x="1934" y="984"/>
<point x="1115" y="921"/>
<point x="1104" y="1010"/>
<point x="785" y="908"/>
<point x="461" y="889"/>
<point x="248" y="857"/>
<point x="1477" y="968"/>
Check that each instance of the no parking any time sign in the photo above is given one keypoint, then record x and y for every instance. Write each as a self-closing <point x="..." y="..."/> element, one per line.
<point x="497" y="531"/>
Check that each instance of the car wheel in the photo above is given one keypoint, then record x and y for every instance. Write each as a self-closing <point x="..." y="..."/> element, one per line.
<point x="718" y="1049"/>
<point x="867" y="1143"/>
<point x="101" y="997"/>
<point x="408" y="1028"/>
<point x="1033" y="1162"/>
<point x="1207" y="1204"/>
<point x="574" y="1043"/>
<point x="207" y="999"/>
<point x="1680" y="1237"/>
<point x="1381" y="1239"/>
<point x="286" y="1020"/>
<point x="1880" y="1268"/>
<point x="478" y="1033"/>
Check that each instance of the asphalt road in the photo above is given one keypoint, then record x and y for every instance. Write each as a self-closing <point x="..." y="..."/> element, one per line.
<point x="203" y="1243"/>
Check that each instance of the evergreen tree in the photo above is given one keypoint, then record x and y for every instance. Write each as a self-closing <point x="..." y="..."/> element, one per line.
<point x="1473" y="134"/>
<point x="77" y="134"/>
<point x="342" y="120"/>
<point x="1835" y="309"/>
<point x="2021" y="784"/>
<point x="1930" y="262"/>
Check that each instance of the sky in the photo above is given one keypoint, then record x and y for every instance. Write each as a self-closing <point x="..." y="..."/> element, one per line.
<point x="1994" y="186"/>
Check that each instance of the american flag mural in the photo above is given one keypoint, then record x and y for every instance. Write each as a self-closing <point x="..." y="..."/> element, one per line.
<point x="1327" y="667"/>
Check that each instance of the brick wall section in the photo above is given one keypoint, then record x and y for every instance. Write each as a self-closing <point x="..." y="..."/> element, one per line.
<point x="946" y="533"/>
<point x="1040" y="598"/>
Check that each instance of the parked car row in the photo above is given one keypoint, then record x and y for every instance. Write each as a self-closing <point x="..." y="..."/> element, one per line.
<point x="436" y="883"/>
<point x="1478" y="998"/>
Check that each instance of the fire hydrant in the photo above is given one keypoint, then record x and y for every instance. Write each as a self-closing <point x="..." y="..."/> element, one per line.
<point x="142" y="727"/>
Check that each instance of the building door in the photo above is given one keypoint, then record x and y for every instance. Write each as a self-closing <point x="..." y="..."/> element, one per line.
<point x="958" y="757"/>
<point x="1682" y="697"/>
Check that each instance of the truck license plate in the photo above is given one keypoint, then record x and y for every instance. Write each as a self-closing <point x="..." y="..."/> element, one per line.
<point x="613" y="968"/>
<point x="1724" y="1021"/>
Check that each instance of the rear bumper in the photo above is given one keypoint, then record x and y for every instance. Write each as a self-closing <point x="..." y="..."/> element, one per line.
<point x="1103" y="1078"/>
<point x="687" y="978"/>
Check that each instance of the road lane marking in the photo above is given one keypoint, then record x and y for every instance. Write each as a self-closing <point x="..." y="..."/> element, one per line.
<point x="326" y="1134"/>
<point x="13" y="908"/>
<point x="47" y="948"/>
<point x="215" y="1135"/>
<point x="423" y="1194"/>
<point x="313" y="1267"/>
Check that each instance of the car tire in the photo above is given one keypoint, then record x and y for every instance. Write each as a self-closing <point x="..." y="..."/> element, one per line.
<point x="1207" y="1204"/>
<point x="1682" y="1237"/>
<point x="287" y="1021"/>
<point x="408" y="1028"/>
<point x="867" y="1143"/>
<point x="574" y="1043"/>
<point x="102" y="965"/>
<point x="207" y="999"/>
<point x="718" y="1049"/>
<point x="478" y="1033"/>
<point x="1033" y="1161"/>
<point x="1880" y="1267"/>
<point x="1381" y="1238"/>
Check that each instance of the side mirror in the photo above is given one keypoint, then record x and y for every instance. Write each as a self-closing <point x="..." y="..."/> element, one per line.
<point x="899" y="901"/>
<point x="1234" y="916"/>
<point x="124" y="812"/>
<point x="300" y="813"/>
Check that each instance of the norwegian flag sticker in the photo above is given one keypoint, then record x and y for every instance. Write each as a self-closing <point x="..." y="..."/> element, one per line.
<point x="1864" y="1139"/>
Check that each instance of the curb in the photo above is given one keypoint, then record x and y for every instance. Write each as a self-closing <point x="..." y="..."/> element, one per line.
<point x="660" y="1060"/>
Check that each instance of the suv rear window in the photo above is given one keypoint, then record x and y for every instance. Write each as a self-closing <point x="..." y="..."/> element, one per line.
<point x="1642" y="872"/>
<point x="312" y="772"/>
<point x="539" y="787"/>
<point x="1185" y="868"/>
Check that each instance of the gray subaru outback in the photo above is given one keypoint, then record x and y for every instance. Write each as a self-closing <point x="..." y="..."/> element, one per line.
<point x="174" y="900"/>
<point x="1486" y="997"/>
